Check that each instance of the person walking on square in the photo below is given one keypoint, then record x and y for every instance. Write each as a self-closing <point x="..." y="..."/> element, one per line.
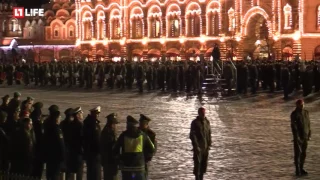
<point x="200" y="135"/>
<point x="300" y="125"/>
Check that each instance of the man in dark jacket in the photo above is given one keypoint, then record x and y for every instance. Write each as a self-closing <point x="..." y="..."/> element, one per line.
<point x="133" y="144"/>
<point x="300" y="125"/>
<point x="144" y="127"/>
<point x="76" y="145"/>
<point x="108" y="140"/>
<point x="4" y="106"/>
<point x="22" y="149"/>
<point x="54" y="147"/>
<point x="200" y="135"/>
<point x="66" y="128"/>
<point x="4" y="144"/>
<point x="91" y="144"/>
<point x="14" y="104"/>
<point x="38" y="128"/>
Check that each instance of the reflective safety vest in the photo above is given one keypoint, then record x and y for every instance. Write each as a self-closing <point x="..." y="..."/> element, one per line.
<point x="132" y="145"/>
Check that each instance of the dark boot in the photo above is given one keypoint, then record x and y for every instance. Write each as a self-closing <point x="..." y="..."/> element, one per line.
<point x="298" y="170"/>
<point x="201" y="176"/>
<point x="302" y="171"/>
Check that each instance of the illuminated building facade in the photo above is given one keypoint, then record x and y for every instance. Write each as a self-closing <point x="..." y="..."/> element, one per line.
<point x="44" y="38"/>
<point x="184" y="28"/>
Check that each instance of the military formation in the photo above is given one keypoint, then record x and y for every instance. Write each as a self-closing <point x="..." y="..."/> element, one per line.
<point x="31" y="141"/>
<point x="184" y="76"/>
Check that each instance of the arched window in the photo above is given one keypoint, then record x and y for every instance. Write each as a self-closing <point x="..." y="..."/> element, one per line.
<point x="14" y="25"/>
<point x="4" y="26"/>
<point x="193" y="20"/>
<point x="318" y="17"/>
<point x="136" y="22"/>
<point x="71" y="31"/>
<point x="56" y="31"/>
<point x="287" y="11"/>
<point x="154" y="22"/>
<point x="116" y="28"/>
<point x="232" y="19"/>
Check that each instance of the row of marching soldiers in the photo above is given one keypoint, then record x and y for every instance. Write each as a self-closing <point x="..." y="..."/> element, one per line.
<point x="31" y="142"/>
<point x="176" y="76"/>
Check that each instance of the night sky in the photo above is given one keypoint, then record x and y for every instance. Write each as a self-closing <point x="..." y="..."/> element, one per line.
<point x="31" y="3"/>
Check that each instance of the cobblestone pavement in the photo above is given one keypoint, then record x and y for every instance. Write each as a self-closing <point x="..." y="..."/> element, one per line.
<point x="251" y="134"/>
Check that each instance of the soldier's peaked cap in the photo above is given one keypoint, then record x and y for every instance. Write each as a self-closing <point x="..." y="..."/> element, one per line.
<point x="30" y="98"/>
<point x="96" y="109"/>
<point x="77" y="110"/>
<point x="53" y="108"/>
<point x="16" y="94"/>
<point x="38" y="105"/>
<point x="112" y="118"/>
<point x="68" y="111"/>
<point x="144" y="118"/>
<point x="132" y="120"/>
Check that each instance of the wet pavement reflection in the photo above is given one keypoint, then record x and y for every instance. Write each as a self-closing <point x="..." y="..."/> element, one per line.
<point x="251" y="134"/>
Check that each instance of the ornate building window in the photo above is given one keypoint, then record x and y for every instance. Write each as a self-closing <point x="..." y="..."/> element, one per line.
<point x="71" y="31"/>
<point x="56" y="32"/>
<point x="14" y="25"/>
<point x="4" y="26"/>
<point x="156" y="28"/>
<point x="318" y="17"/>
<point x="154" y="22"/>
<point x="193" y="20"/>
<point x="101" y="25"/>
<point x="87" y="30"/>
<point x="287" y="11"/>
<point x="232" y="19"/>
<point x="116" y="28"/>
<point x="136" y="27"/>
<point x="174" y="27"/>
<point x="213" y="23"/>
<point x="173" y="21"/>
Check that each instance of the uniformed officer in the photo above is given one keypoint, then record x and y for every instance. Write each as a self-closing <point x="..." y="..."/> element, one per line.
<point x="54" y="147"/>
<point x="22" y="149"/>
<point x="108" y="140"/>
<point x="76" y="145"/>
<point x="14" y="103"/>
<point x="91" y="143"/>
<point x="301" y="131"/>
<point x="133" y="144"/>
<point x="38" y="129"/>
<point x="5" y="101"/>
<point x="200" y="135"/>
<point x="144" y="127"/>
<point x="66" y="129"/>
<point x="12" y="124"/>
<point x="4" y="143"/>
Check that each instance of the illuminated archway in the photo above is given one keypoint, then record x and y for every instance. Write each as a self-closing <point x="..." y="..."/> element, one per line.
<point x="87" y="25"/>
<point x="115" y="24"/>
<point x="193" y="20"/>
<point x="154" y="21"/>
<point x="101" y="25"/>
<point x="173" y="24"/>
<point x="136" y="23"/>
<point x="251" y="13"/>
<point x="213" y="18"/>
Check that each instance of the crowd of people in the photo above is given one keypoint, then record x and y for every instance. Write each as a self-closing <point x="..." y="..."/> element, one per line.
<point x="31" y="140"/>
<point x="182" y="76"/>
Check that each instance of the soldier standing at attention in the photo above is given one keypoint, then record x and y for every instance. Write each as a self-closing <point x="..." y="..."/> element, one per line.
<point x="91" y="137"/>
<point x="300" y="125"/>
<point x="200" y="135"/>
<point x="144" y="127"/>
<point x="108" y="140"/>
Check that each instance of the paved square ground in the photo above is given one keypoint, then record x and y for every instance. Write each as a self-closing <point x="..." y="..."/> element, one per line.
<point x="251" y="135"/>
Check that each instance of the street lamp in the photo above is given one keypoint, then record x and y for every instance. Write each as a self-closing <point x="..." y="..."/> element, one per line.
<point x="163" y="40"/>
<point x="297" y="36"/>
<point x="145" y="41"/>
<point x="105" y="42"/>
<point x="93" y="42"/>
<point x="182" y="39"/>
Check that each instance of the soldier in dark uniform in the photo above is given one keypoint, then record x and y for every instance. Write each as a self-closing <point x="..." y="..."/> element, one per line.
<point x="301" y="131"/>
<point x="26" y="74"/>
<point x="149" y="77"/>
<point x="10" y="74"/>
<point x="22" y="149"/>
<point x="91" y="144"/>
<point x="129" y="75"/>
<point x="4" y="143"/>
<point x="108" y="140"/>
<point x="66" y="128"/>
<point x="14" y="104"/>
<point x="285" y="81"/>
<point x="144" y="127"/>
<point x="253" y="78"/>
<point x="38" y="129"/>
<point x="36" y="70"/>
<point x="5" y="101"/>
<point x="200" y="135"/>
<point x="76" y="145"/>
<point x="140" y="77"/>
<point x="54" y="147"/>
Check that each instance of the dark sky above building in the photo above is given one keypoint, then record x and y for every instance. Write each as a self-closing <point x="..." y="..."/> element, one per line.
<point x="31" y="3"/>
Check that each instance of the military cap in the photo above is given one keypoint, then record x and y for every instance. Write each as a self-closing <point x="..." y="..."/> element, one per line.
<point x="30" y="98"/>
<point x="96" y="109"/>
<point x="112" y="119"/>
<point x="144" y="118"/>
<point x="3" y="115"/>
<point x="77" y="110"/>
<point x="53" y="108"/>
<point x="131" y="120"/>
<point x="16" y="94"/>
<point x="38" y="105"/>
<point x="68" y="112"/>
<point x="6" y="97"/>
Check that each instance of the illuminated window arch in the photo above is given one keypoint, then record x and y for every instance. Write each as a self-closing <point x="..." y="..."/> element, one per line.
<point x="136" y="23"/>
<point x="287" y="10"/>
<point x="173" y="21"/>
<point x="193" y="20"/>
<point x="87" y="26"/>
<point x="115" y="24"/>
<point x="213" y="18"/>
<point x="101" y="25"/>
<point x="318" y="17"/>
<point x="71" y="31"/>
<point x="232" y="19"/>
<point x="56" y="31"/>
<point x="154" y="22"/>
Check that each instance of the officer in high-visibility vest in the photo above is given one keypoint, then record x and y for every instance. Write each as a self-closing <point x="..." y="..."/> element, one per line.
<point x="133" y="144"/>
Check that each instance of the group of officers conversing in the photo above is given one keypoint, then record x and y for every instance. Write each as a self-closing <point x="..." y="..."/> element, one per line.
<point x="30" y="141"/>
